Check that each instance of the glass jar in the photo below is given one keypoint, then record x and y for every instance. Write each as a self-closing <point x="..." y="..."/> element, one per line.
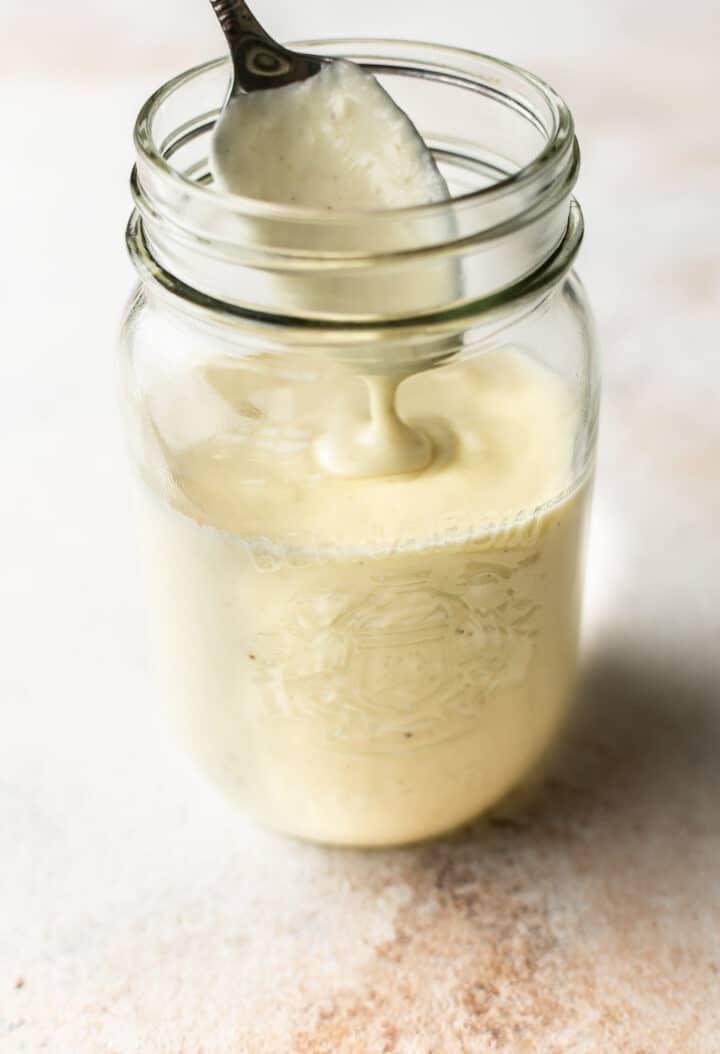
<point x="356" y="651"/>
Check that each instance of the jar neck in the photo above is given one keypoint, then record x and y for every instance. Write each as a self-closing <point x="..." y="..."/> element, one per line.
<point x="508" y="238"/>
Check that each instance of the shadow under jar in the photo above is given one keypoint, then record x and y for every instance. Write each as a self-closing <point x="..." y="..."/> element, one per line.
<point x="365" y="656"/>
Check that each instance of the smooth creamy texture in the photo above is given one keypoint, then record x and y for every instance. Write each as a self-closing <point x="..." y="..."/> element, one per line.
<point x="373" y="661"/>
<point x="338" y="141"/>
<point x="335" y="141"/>
<point x="382" y="445"/>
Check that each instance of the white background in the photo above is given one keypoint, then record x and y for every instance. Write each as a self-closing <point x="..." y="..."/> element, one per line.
<point x="117" y="862"/>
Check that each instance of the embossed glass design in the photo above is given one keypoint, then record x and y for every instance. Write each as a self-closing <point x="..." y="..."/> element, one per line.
<point x="355" y="677"/>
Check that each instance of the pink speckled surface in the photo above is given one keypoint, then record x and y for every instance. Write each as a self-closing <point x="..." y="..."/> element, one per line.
<point x="138" y="913"/>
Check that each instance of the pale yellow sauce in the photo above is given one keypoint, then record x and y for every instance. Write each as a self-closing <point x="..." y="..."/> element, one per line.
<point x="373" y="661"/>
<point x="338" y="141"/>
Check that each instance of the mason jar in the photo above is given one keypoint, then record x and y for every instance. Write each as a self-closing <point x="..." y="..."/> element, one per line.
<point x="364" y="446"/>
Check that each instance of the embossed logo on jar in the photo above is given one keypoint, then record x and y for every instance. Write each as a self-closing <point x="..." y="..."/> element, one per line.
<point x="404" y="664"/>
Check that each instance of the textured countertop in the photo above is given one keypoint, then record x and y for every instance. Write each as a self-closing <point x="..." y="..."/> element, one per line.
<point x="138" y="913"/>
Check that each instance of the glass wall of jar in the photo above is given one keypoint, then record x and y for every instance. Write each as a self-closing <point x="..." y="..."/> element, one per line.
<point x="362" y="649"/>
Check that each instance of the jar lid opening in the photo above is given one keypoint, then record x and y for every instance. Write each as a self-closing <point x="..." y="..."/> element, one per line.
<point x="503" y="139"/>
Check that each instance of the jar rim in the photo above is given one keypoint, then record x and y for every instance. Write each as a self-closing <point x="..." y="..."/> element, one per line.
<point x="507" y="242"/>
<point x="528" y="291"/>
<point x="560" y="138"/>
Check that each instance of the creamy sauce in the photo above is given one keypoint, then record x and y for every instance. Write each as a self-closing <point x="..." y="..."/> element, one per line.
<point x="335" y="141"/>
<point x="367" y="587"/>
<point x="372" y="661"/>
<point x="381" y="446"/>
<point x="338" y="141"/>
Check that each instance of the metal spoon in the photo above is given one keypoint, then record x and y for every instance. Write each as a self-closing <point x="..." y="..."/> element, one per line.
<point x="259" y="62"/>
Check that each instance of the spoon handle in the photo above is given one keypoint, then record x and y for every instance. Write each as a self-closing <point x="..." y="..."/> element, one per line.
<point x="258" y="60"/>
<point x="236" y="19"/>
